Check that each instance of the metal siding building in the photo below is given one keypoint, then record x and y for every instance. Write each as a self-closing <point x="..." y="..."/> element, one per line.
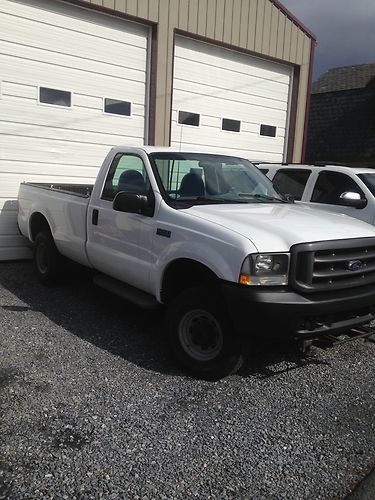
<point x="78" y="77"/>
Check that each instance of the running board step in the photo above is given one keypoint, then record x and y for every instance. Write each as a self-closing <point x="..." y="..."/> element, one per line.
<point x="127" y="292"/>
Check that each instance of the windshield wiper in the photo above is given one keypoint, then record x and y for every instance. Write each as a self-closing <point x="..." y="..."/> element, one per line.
<point x="263" y="197"/>
<point x="207" y="199"/>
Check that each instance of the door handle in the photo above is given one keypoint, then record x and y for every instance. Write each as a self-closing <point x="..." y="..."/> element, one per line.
<point x="95" y="216"/>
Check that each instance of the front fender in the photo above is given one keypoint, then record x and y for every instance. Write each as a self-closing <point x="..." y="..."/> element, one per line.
<point x="225" y="263"/>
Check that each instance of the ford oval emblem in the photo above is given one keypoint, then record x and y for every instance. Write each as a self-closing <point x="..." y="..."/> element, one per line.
<point x="355" y="265"/>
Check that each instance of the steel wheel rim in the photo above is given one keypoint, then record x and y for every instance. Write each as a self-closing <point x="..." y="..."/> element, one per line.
<point x="201" y="335"/>
<point x="42" y="259"/>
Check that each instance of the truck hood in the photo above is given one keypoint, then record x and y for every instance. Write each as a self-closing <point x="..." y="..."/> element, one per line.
<point x="276" y="227"/>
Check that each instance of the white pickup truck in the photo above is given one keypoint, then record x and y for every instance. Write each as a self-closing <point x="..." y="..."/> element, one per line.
<point x="208" y="236"/>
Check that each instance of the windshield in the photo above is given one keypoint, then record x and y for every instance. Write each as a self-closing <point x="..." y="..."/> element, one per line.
<point x="190" y="178"/>
<point x="369" y="180"/>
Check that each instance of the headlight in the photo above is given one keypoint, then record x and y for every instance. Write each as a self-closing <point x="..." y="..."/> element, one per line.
<point x="265" y="269"/>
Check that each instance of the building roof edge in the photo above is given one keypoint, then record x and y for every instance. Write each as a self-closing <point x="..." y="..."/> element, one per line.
<point x="294" y="19"/>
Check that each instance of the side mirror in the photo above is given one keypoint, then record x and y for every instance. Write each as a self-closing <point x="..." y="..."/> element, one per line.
<point x="131" y="203"/>
<point x="349" y="199"/>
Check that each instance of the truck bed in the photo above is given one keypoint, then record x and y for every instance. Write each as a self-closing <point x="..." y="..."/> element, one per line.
<point x="64" y="206"/>
<point x="82" y="190"/>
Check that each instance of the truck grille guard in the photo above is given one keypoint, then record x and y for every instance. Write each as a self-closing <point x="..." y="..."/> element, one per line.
<point x="365" y="332"/>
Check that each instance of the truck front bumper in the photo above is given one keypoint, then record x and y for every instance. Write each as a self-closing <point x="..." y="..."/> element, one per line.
<point x="276" y="311"/>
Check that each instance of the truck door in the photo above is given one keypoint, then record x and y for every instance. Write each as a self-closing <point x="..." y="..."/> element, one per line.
<point x="118" y="243"/>
<point x="330" y="186"/>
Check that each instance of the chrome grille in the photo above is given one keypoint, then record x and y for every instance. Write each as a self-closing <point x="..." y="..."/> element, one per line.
<point x="333" y="265"/>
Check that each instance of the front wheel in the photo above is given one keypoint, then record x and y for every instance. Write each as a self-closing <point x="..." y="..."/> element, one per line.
<point x="48" y="262"/>
<point x="201" y="336"/>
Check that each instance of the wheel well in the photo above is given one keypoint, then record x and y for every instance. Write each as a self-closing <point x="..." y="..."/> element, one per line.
<point x="182" y="274"/>
<point x="38" y="223"/>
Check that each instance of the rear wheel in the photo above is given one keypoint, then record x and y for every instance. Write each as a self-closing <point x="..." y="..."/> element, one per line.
<point x="201" y="335"/>
<point x="48" y="262"/>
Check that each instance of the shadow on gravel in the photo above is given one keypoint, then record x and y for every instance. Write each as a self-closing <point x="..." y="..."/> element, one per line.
<point x="119" y="327"/>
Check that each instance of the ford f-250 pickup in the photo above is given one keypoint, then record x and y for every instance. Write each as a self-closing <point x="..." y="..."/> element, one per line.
<point x="209" y="237"/>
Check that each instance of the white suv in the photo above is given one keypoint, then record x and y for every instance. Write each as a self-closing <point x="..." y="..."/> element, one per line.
<point x="333" y="188"/>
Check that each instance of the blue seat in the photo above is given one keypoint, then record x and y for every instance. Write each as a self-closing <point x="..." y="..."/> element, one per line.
<point x="131" y="181"/>
<point x="191" y="185"/>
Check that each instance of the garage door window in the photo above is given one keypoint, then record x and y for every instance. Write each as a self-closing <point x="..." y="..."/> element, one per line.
<point x="268" y="130"/>
<point x="231" y="125"/>
<point x="187" y="118"/>
<point x="55" y="97"/>
<point x="291" y="182"/>
<point x="116" y="107"/>
<point x="330" y="186"/>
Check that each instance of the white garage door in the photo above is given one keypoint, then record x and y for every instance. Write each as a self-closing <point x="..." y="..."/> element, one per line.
<point x="73" y="84"/>
<point x="228" y="101"/>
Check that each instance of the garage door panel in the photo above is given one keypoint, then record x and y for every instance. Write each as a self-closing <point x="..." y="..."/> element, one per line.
<point x="268" y="155"/>
<point x="226" y="109"/>
<point x="236" y="62"/>
<point x="60" y="15"/>
<point x="108" y="61"/>
<point x="215" y="123"/>
<point x="24" y="33"/>
<point x="8" y="222"/>
<point x="11" y="183"/>
<point x="89" y="120"/>
<point x="35" y="149"/>
<point x="245" y="86"/>
<point x="12" y="240"/>
<point x="52" y="170"/>
<point x="12" y="103"/>
<point x="14" y="253"/>
<point x="31" y="61"/>
<point x="68" y="134"/>
<point x="7" y="206"/>
<point x="14" y="89"/>
<point x="233" y="68"/>
<point x="231" y="96"/>
<point x="81" y="83"/>
<point x="207" y="136"/>
<point x="12" y="244"/>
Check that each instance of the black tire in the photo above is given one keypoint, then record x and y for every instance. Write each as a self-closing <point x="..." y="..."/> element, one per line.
<point x="201" y="336"/>
<point x="48" y="262"/>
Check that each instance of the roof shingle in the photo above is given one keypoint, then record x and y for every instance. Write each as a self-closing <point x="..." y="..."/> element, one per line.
<point x="345" y="78"/>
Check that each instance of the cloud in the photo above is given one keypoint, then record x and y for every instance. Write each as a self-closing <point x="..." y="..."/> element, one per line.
<point x="345" y="30"/>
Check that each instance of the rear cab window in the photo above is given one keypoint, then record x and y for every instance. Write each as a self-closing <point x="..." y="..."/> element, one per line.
<point x="291" y="181"/>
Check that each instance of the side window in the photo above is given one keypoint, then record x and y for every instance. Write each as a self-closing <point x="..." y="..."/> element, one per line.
<point x="330" y="186"/>
<point x="127" y="173"/>
<point x="291" y="182"/>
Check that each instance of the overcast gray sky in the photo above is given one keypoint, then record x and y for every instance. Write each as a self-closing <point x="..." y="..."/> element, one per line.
<point x="345" y="30"/>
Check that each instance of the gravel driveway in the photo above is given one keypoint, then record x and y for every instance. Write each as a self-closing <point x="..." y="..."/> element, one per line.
<point x="92" y="407"/>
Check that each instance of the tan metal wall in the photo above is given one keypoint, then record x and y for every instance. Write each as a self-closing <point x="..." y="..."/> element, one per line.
<point x="255" y="25"/>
